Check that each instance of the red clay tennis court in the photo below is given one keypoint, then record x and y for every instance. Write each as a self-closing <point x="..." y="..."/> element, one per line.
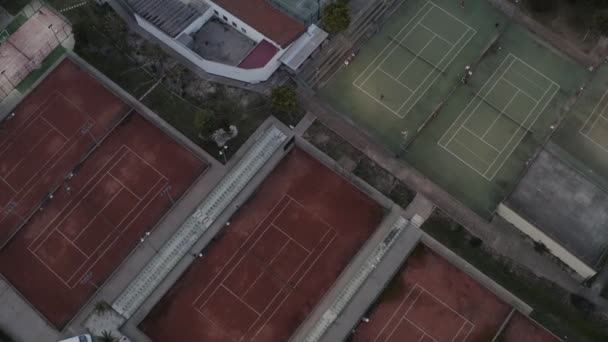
<point x="431" y="300"/>
<point x="106" y="192"/>
<point x="282" y="251"/>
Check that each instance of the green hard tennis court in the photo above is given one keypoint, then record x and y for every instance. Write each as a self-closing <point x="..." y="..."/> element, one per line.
<point x="473" y="137"/>
<point x="495" y="121"/>
<point x="414" y="58"/>
<point x="582" y="139"/>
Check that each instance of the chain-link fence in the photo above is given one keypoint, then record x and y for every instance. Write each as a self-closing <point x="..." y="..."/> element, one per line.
<point x="23" y="53"/>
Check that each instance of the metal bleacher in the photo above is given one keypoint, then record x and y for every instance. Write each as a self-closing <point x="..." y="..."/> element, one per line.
<point x="321" y="326"/>
<point x="199" y="222"/>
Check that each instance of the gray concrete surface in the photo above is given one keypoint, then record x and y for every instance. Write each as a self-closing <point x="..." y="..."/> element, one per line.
<point x="220" y="42"/>
<point x="374" y="284"/>
<point x="565" y="205"/>
<point x="20" y="320"/>
<point x="5" y="18"/>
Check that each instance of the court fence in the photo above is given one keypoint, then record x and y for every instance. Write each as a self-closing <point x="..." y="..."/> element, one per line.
<point x="308" y="15"/>
<point x="10" y="79"/>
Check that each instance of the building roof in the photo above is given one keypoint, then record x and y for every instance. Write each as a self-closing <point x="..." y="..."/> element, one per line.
<point x="170" y="16"/>
<point x="303" y="47"/>
<point x="265" y="18"/>
<point x="259" y="56"/>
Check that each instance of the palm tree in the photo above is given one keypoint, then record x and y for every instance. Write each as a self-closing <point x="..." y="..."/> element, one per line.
<point x="106" y="336"/>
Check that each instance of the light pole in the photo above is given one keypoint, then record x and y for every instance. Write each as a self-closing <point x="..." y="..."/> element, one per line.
<point x="223" y="153"/>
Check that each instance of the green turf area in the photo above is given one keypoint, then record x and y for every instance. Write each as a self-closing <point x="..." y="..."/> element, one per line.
<point x="582" y="137"/>
<point x="550" y="302"/>
<point x="474" y="138"/>
<point x="30" y="79"/>
<point x="14" y="25"/>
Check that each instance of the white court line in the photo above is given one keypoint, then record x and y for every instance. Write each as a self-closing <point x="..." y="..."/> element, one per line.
<point x="436" y="34"/>
<point x="396" y="80"/>
<point x="480" y="139"/>
<point x="472" y="152"/>
<point x="593" y="113"/>
<point x="538" y="114"/>
<point x="425" y="334"/>
<point x="389" y="44"/>
<point x="24" y="157"/>
<point x="124" y="186"/>
<point x="537" y="71"/>
<point x="483" y="98"/>
<point x="72" y="200"/>
<point x="289" y="238"/>
<point x="296" y="285"/>
<point x="53" y="126"/>
<point x="37" y="112"/>
<point x="468" y="333"/>
<point x="404" y="314"/>
<point x="146" y="162"/>
<point x="394" y="313"/>
<point x="103" y="253"/>
<point x="588" y="135"/>
<point x="96" y="215"/>
<point x="520" y="90"/>
<point x="264" y="269"/>
<point x="239" y="298"/>
<point x="538" y="86"/>
<point x="396" y="45"/>
<point x="436" y="73"/>
<point x="507" y="145"/>
<point x="417" y="56"/>
<point x="501" y="113"/>
<point x="250" y="237"/>
<point x="450" y="14"/>
<point x="377" y="101"/>
<point x="54" y="161"/>
<point x="43" y="262"/>
<point x="15" y="191"/>
<point x="329" y="226"/>
<point x="467" y="106"/>
<point x="109" y="235"/>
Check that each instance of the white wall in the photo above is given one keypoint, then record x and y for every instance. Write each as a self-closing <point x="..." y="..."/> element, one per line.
<point x="198" y="23"/>
<point x="245" y="75"/>
<point x="250" y="31"/>
<point x="537" y="235"/>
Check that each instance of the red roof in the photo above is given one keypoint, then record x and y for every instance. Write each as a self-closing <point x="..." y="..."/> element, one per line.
<point x="265" y="18"/>
<point x="259" y="56"/>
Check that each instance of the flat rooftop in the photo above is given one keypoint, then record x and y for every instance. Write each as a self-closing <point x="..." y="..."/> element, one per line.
<point x="565" y="205"/>
<point x="170" y="16"/>
<point x="265" y="18"/>
<point x="216" y="41"/>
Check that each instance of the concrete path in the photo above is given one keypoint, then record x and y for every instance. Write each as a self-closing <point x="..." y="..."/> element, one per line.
<point x="20" y="320"/>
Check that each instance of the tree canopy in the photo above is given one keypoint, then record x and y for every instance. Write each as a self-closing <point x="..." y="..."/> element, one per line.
<point x="336" y="17"/>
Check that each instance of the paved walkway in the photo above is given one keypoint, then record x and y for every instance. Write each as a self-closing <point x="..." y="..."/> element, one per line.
<point x="20" y="320"/>
<point x="499" y="235"/>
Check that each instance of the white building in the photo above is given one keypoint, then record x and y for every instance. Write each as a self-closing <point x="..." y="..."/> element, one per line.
<point x="276" y="38"/>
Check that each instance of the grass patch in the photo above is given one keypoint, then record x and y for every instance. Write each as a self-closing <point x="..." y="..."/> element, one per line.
<point x="33" y="76"/>
<point x="13" y="6"/>
<point x="373" y="174"/>
<point x="17" y="22"/>
<point x="401" y="194"/>
<point x="551" y="303"/>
